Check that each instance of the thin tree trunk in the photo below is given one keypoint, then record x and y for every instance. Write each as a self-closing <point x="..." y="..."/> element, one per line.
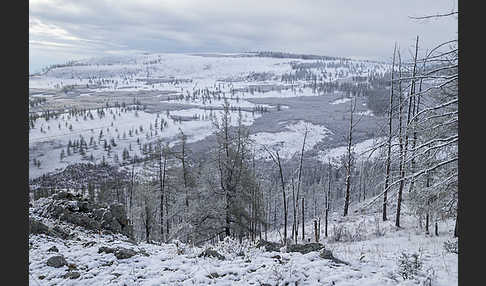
<point x="456" y="227"/>
<point x="348" y="165"/>
<point x="284" y="199"/>
<point x="184" y="171"/>
<point x="162" y="190"/>
<point x="388" y="156"/>
<point x="328" y="198"/>
<point x="303" y="210"/>
<point x="299" y="178"/>
<point x="294" y="205"/>
<point x="403" y="159"/>
<point x="427" y="216"/>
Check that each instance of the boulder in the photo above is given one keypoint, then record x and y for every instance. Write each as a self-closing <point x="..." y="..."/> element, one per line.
<point x="75" y="210"/>
<point x="305" y="248"/>
<point x="211" y="253"/>
<point x="37" y="227"/>
<point x="124" y="253"/>
<point x="53" y="249"/>
<point x="120" y="252"/>
<point x="71" y="275"/>
<point x="56" y="261"/>
<point x="269" y="246"/>
<point x="327" y="254"/>
<point x="106" y="249"/>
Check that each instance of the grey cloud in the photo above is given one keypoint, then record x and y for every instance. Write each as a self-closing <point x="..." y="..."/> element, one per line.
<point x="338" y="28"/>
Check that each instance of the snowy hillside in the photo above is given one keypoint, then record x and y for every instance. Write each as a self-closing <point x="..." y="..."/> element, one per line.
<point x="179" y="93"/>
<point x="369" y="256"/>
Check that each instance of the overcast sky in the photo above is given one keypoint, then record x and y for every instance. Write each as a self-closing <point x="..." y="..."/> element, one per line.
<point x="62" y="30"/>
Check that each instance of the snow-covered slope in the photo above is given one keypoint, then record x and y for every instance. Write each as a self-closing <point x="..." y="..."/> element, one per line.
<point x="371" y="248"/>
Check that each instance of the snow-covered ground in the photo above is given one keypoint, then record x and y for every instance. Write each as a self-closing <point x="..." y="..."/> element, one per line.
<point x="290" y="141"/>
<point x="137" y="72"/>
<point x="372" y="253"/>
<point x="124" y="126"/>
<point x="363" y="150"/>
<point x="193" y="82"/>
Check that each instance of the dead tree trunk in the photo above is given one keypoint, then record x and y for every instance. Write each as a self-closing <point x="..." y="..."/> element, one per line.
<point x="348" y="164"/>
<point x="303" y="210"/>
<point x="388" y="156"/>
<point x="294" y="205"/>
<point x="131" y="191"/>
<point x="456" y="227"/>
<point x="284" y="198"/>
<point x="162" y="168"/>
<point x="300" y="177"/>
<point x="184" y="170"/>
<point x="328" y="198"/>
<point x="427" y="216"/>
<point x="403" y="159"/>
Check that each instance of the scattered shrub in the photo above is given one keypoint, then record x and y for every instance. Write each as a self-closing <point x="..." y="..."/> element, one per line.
<point x="409" y="265"/>
<point x="451" y="246"/>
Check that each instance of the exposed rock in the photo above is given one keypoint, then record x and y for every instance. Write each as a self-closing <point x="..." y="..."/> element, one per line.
<point x="71" y="275"/>
<point x="59" y="232"/>
<point x="213" y="275"/>
<point x="327" y="254"/>
<point x="211" y="253"/>
<point x="269" y="246"/>
<point x="57" y="261"/>
<point x="78" y="175"/>
<point x="305" y="248"/>
<point x="106" y="249"/>
<point x="75" y="210"/>
<point x="123" y="253"/>
<point x="37" y="227"/>
<point x="53" y="249"/>
<point x="89" y="244"/>
<point x="120" y="252"/>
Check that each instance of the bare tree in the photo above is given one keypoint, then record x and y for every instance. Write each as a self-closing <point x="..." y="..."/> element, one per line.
<point x="388" y="156"/>
<point x="276" y="159"/>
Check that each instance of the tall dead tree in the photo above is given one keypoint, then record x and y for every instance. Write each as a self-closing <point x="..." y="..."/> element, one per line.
<point x="303" y="211"/>
<point x="388" y="155"/>
<point x="404" y="157"/>
<point x="300" y="174"/>
<point x="328" y="198"/>
<point x="162" y="156"/>
<point x="183" y="157"/>
<point x="349" y="157"/>
<point x="276" y="159"/>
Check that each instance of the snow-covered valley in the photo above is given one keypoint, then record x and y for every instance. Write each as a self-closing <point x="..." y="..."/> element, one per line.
<point x="208" y="169"/>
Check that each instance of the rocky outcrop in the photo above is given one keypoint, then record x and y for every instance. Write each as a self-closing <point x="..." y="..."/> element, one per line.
<point x="269" y="246"/>
<point x="211" y="253"/>
<point x="56" y="261"/>
<point x="301" y="248"/>
<point x="119" y="252"/>
<point x="37" y="227"/>
<point x="327" y="254"/>
<point x="78" y="211"/>
<point x="305" y="248"/>
<point x="79" y="175"/>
